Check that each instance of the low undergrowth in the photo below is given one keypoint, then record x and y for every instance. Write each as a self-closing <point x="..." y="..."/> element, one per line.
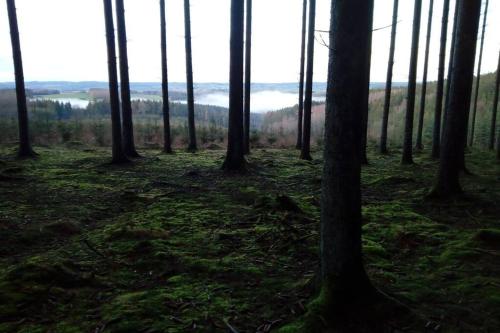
<point x="170" y="244"/>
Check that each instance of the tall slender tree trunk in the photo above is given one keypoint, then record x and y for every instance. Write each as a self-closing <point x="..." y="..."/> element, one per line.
<point x="364" y="132"/>
<point x="388" y="82"/>
<point x="128" y="126"/>
<point x="436" y="133"/>
<point x="448" y="182"/>
<point x="450" y="66"/>
<point x="345" y="281"/>
<point x="235" y="159"/>
<point x="167" y="143"/>
<point x="300" y="122"/>
<point x="478" y="78"/>
<point x="419" y="145"/>
<point x="306" y="139"/>
<point x="495" y="109"/>
<point x="25" y="150"/>
<point x="189" y="78"/>
<point x="118" y="153"/>
<point x="412" y="83"/>
<point x="248" y="74"/>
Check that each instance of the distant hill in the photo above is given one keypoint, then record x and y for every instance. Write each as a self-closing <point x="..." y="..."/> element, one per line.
<point x="65" y="86"/>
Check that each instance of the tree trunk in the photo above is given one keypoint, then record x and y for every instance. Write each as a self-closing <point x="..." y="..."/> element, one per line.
<point x="412" y="83"/>
<point x="478" y="78"/>
<point x="436" y="135"/>
<point x="167" y="143"/>
<point x="388" y="82"/>
<point x="495" y="109"/>
<point x="118" y="153"/>
<point x="25" y="150"/>
<point x="248" y="74"/>
<point x="448" y="183"/>
<point x="419" y="145"/>
<point x="306" y="139"/>
<point x="189" y="78"/>
<point x="450" y="66"/>
<point x="301" y="77"/>
<point x="344" y="278"/>
<point x="128" y="126"/>
<point x="235" y="159"/>
<point x="364" y="132"/>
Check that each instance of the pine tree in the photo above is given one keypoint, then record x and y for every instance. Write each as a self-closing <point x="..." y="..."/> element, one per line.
<point x="436" y="133"/>
<point x="300" y="122"/>
<point x="189" y="75"/>
<point x="117" y="148"/>
<point x="248" y="74"/>
<point x="306" y="138"/>
<point x="388" y="84"/>
<point x="454" y="137"/>
<point x="25" y="149"/>
<point x="412" y="84"/>
<point x="235" y="157"/>
<point x="478" y="78"/>
<point x="128" y="125"/>
<point x="419" y="145"/>
<point x="167" y="143"/>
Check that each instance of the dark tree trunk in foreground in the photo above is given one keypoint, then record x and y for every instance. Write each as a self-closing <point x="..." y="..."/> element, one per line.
<point x="189" y="78"/>
<point x="167" y="143"/>
<point x="364" y="130"/>
<point x="478" y="77"/>
<point x="235" y="159"/>
<point x="412" y="83"/>
<point x="419" y="145"/>
<point x="301" y="77"/>
<point x="344" y="278"/>
<point x="388" y="84"/>
<point x="248" y="74"/>
<point x="118" y="153"/>
<point x="306" y="138"/>
<point x="128" y="126"/>
<point x="450" y="65"/>
<point x="25" y="149"/>
<point x="448" y="182"/>
<point x="495" y="109"/>
<point x="436" y="133"/>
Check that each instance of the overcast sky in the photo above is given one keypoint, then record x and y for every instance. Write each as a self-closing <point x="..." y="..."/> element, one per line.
<point x="64" y="40"/>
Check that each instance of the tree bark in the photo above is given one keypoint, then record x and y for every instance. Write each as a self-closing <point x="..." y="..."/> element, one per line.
<point x="364" y="132"/>
<point x="300" y="122"/>
<point x="128" y="126"/>
<point x="495" y="109"/>
<point x="342" y="271"/>
<point x="412" y="83"/>
<point x="306" y="140"/>
<point x="448" y="182"/>
<point x="478" y="78"/>
<point x="436" y="134"/>
<point x="450" y="66"/>
<point x="235" y="159"/>
<point x="248" y="74"/>
<point x="388" y="82"/>
<point x="25" y="149"/>
<point x="419" y="144"/>
<point x="167" y="143"/>
<point x="117" y="148"/>
<point x="189" y="78"/>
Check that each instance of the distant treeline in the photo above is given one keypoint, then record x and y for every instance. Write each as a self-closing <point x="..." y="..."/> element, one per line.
<point x="54" y="122"/>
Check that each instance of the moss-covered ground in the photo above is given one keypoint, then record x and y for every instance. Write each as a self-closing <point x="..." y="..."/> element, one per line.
<point x="171" y="244"/>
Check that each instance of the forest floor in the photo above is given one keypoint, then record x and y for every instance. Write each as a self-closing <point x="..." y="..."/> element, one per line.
<point x="171" y="244"/>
